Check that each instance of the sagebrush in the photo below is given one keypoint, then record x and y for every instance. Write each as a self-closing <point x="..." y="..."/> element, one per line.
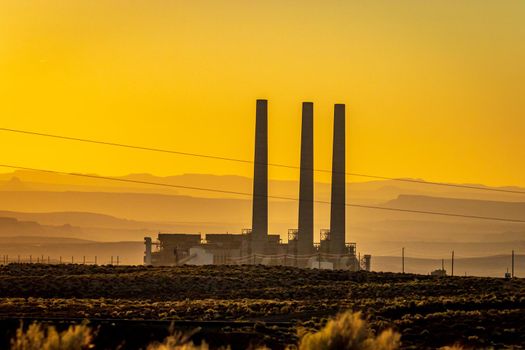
<point x="38" y="337"/>
<point x="349" y="331"/>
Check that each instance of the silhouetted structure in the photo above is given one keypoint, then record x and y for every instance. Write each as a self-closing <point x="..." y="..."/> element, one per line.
<point x="255" y="245"/>
<point x="259" y="234"/>
<point x="338" y="202"/>
<point x="306" y="182"/>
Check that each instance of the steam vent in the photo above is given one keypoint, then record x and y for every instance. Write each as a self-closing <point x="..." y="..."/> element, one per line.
<point x="257" y="245"/>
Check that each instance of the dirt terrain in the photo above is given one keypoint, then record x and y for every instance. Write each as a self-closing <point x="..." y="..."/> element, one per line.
<point x="266" y="305"/>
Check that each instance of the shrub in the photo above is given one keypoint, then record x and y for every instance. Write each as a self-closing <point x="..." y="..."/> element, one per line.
<point x="349" y="332"/>
<point x="172" y="344"/>
<point x="77" y="337"/>
<point x="179" y="341"/>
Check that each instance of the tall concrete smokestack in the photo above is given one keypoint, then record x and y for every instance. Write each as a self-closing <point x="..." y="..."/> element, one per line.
<point x="306" y="185"/>
<point x="338" y="206"/>
<point x="260" y="179"/>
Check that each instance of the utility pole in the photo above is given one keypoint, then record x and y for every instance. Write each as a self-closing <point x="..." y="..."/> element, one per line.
<point x="512" y="274"/>
<point x="442" y="264"/>
<point x="452" y="272"/>
<point x="403" y="260"/>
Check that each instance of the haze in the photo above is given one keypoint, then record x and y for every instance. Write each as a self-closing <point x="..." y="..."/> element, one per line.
<point x="433" y="90"/>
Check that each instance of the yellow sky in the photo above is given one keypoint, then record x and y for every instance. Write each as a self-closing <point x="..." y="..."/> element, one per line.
<point x="434" y="89"/>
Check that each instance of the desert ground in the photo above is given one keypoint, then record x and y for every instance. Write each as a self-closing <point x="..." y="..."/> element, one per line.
<point x="260" y="305"/>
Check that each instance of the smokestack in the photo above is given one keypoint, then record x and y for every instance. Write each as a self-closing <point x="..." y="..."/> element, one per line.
<point x="337" y="210"/>
<point x="306" y="184"/>
<point x="260" y="179"/>
<point x="147" y="253"/>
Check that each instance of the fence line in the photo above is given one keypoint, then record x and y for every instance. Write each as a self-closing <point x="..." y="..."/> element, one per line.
<point x="63" y="259"/>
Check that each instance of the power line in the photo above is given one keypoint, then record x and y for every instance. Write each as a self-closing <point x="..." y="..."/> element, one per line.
<point x="245" y="161"/>
<point x="250" y="194"/>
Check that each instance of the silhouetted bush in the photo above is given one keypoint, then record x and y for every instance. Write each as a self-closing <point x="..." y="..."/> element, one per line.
<point x="37" y="337"/>
<point x="349" y="332"/>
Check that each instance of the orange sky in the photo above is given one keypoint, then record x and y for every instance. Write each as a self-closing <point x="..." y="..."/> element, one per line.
<point x="434" y="89"/>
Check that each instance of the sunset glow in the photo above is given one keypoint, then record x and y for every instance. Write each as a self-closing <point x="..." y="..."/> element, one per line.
<point x="433" y="89"/>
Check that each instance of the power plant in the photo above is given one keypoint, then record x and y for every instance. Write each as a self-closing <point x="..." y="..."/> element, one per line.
<point x="256" y="245"/>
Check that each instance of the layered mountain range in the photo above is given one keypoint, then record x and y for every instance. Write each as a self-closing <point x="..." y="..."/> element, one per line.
<point x="36" y="208"/>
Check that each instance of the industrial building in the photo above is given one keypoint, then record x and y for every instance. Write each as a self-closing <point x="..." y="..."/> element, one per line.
<point x="255" y="245"/>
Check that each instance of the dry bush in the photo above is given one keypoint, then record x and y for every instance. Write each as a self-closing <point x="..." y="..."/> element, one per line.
<point x="349" y="332"/>
<point x="178" y="341"/>
<point x="170" y="343"/>
<point x="346" y="332"/>
<point x="77" y="337"/>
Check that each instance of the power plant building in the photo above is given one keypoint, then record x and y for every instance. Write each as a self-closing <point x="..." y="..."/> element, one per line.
<point x="255" y="245"/>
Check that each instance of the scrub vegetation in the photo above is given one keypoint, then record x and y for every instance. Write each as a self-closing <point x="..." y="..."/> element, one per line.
<point x="348" y="331"/>
<point x="284" y="304"/>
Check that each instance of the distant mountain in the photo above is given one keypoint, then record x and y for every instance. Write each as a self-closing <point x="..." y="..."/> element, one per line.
<point x="130" y="216"/>
<point x="41" y="240"/>
<point x="13" y="227"/>
<point x="10" y="227"/>
<point x="13" y="184"/>
<point x="499" y="209"/>
<point x="487" y="266"/>
<point x="83" y="219"/>
<point x="368" y="192"/>
<point x="401" y="227"/>
<point x="131" y="206"/>
<point x="64" y="206"/>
